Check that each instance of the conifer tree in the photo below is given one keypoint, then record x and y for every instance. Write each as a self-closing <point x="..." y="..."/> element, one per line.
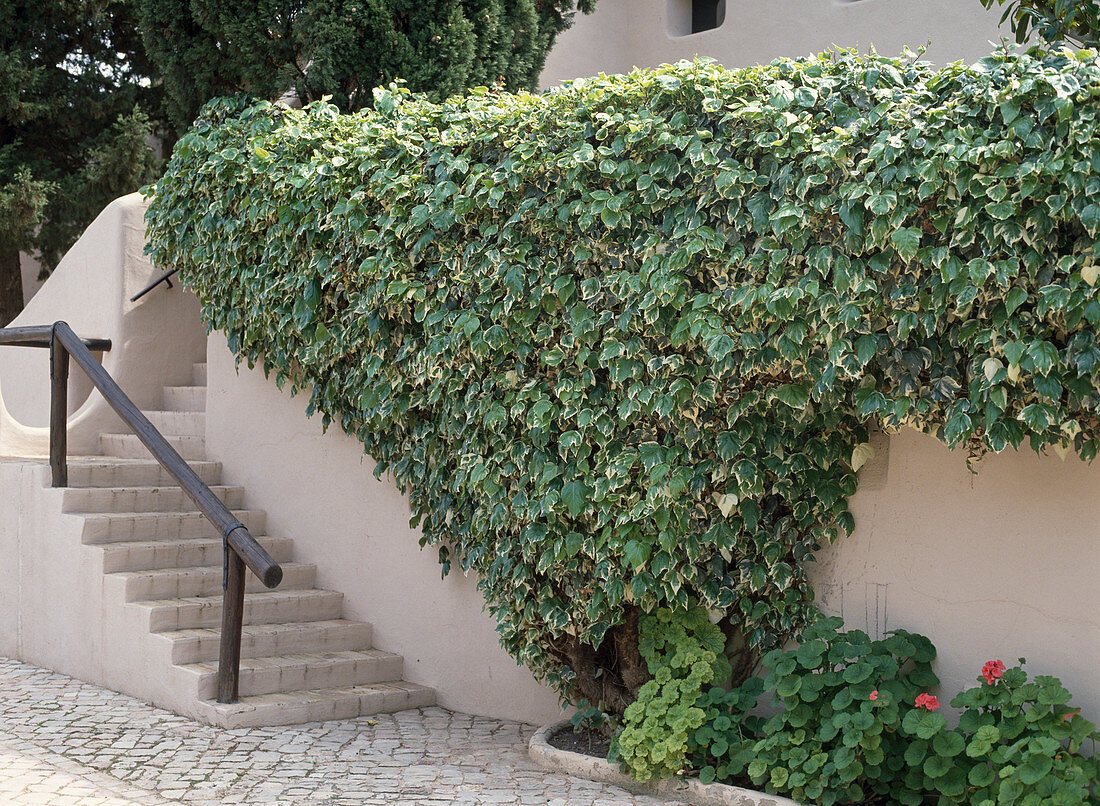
<point x="80" y="97"/>
<point x="76" y="112"/>
<point x="346" y="48"/>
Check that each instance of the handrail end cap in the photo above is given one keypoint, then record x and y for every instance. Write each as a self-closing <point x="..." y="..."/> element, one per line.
<point x="273" y="576"/>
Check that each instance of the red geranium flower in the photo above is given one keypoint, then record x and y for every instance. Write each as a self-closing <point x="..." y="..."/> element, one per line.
<point x="874" y="695"/>
<point x="927" y="702"/>
<point x="993" y="670"/>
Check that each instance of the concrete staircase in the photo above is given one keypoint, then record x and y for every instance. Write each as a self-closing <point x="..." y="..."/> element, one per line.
<point x="301" y="661"/>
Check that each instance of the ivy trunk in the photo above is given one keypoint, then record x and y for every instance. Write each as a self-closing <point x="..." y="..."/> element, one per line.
<point x="743" y="657"/>
<point x="610" y="675"/>
<point x="11" y="286"/>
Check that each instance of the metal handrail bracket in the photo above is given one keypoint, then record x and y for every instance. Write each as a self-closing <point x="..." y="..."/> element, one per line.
<point x="165" y="278"/>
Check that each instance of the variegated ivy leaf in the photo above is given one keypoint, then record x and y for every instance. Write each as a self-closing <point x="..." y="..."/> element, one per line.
<point x="1089" y="273"/>
<point x="726" y="502"/>
<point x="861" y="455"/>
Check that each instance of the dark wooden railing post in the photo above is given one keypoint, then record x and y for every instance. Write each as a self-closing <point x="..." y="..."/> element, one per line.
<point x="229" y="655"/>
<point x="59" y="411"/>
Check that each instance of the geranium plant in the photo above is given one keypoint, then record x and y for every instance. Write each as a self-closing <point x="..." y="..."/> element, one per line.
<point x="1017" y="741"/>
<point x="856" y="725"/>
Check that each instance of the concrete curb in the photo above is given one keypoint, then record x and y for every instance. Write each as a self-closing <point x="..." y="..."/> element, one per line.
<point x="689" y="790"/>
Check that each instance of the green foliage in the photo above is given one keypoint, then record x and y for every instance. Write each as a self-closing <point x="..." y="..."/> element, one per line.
<point x="22" y="200"/>
<point x="684" y="653"/>
<point x="723" y="746"/>
<point x="856" y="727"/>
<point x="75" y="109"/>
<point x="838" y="737"/>
<point x="621" y="343"/>
<point x="593" y="723"/>
<point x="343" y="49"/>
<point x="1053" y="20"/>
<point x="1017" y="742"/>
<point x="588" y="718"/>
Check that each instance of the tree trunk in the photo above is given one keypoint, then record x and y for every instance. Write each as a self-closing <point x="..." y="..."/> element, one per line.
<point x="11" y="287"/>
<point x="608" y="676"/>
<point x="743" y="658"/>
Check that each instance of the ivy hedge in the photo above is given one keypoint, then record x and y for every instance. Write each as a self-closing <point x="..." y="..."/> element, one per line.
<point x="621" y="343"/>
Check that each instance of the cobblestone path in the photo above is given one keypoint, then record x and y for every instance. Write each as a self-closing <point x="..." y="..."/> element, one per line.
<point x="64" y="742"/>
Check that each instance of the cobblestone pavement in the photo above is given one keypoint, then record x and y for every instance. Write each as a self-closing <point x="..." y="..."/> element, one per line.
<point x="64" y="742"/>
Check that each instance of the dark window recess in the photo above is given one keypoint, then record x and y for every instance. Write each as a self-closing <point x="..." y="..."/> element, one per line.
<point x="704" y="15"/>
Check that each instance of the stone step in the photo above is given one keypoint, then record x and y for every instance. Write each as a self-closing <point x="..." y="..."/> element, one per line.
<point x="142" y="499"/>
<point x="317" y="705"/>
<point x="178" y="423"/>
<point x="193" y="553"/>
<point x="106" y="471"/>
<point x="300" y="660"/>
<point x="183" y="583"/>
<point x="128" y="446"/>
<point x="185" y="398"/>
<point x="258" y="640"/>
<point x="126" y="527"/>
<point x="266" y="607"/>
<point x="269" y="675"/>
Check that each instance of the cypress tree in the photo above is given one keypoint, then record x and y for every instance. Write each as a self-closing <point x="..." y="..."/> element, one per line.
<point x="346" y="48"/>
<point x="76" y="112"/>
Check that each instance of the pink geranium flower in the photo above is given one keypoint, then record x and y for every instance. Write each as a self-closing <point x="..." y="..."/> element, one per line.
<point x="874" y="695"/>
<point x="993" y="670"/>
<point x="927" y="702"/>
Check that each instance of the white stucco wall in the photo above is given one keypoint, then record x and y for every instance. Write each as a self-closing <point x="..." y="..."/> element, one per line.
<point x="623" y="34"/>
<point x="319" y="489"/>
<point x="57" y="607"/>
<point x="1000" y="565"/>
<point x="59" y="610"/>
<point x="154" y="339"/>
<point x="52" y="587"/>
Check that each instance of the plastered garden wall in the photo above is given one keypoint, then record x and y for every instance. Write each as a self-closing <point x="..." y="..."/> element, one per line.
<point x="152" y="339"/>
<point x="58" y="609"/>
<point x="320" y="490"/>
<point x="999" y="565"/>
<point x="623" y="34"/>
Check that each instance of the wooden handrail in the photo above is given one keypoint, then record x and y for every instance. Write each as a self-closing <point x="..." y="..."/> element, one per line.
<point x="241" y="547"/>
<point x="40" y="336"/>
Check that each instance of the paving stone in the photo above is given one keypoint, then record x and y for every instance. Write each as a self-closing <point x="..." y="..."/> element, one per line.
<point x="64" y="742"/>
